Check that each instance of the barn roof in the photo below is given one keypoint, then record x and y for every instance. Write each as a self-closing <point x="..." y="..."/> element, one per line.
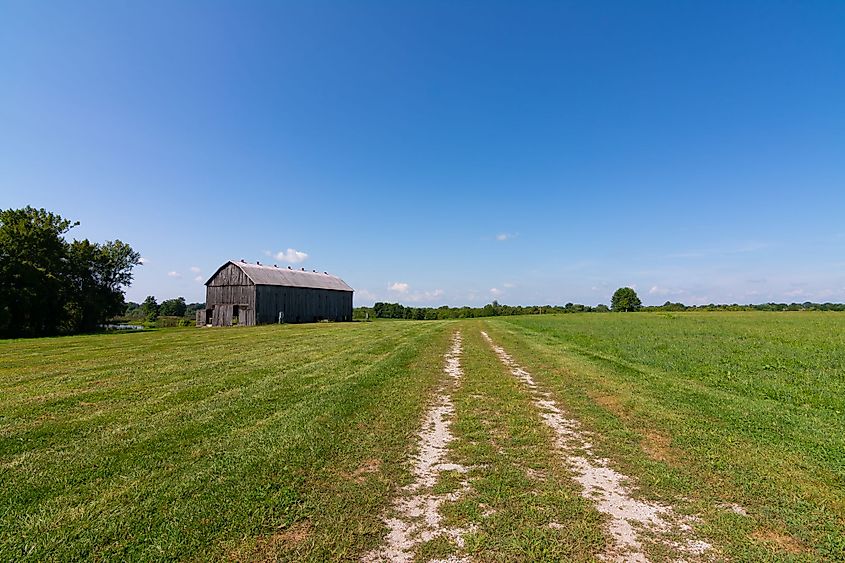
<point x="273" y="275"/>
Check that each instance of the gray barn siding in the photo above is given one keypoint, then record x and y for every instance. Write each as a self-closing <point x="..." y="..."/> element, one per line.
<point x="232" y="295"/>
<point x="222" y="315"/>
<point x="302" y="304"/>
<point x="229" y="275"/>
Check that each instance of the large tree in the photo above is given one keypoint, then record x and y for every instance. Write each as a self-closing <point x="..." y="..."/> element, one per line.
<point x="98" y="273"/>
<point x="173" y="307"/>
<point x="51" y="286"/>
<point x="625" y="299"/>
<point x="150" y="308"/>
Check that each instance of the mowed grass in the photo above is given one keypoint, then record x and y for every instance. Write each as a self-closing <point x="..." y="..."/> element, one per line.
<point x="270" y="442"/>
<point x="710" y="409"/>
<point x="291" y="442"/>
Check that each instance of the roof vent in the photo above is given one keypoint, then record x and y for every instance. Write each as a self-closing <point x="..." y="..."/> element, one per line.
<point x="275" y="265"/>
<point x="242" y="261"/>
<point x="315" y="271"/>
<point x="289" y="268"/>
<point x="303" y="269"/>
<point x="326" y="273"/>
<point x="257" y="263"/>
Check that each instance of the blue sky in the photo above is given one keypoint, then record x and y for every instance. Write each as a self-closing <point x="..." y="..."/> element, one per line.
<point x="442" y="153"/>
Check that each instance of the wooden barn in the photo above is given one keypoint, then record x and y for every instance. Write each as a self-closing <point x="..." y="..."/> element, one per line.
<point x="250" y="294"/>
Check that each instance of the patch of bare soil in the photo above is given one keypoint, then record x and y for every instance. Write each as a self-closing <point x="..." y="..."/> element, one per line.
<point x="780" y="540"/>
<point x="360" y="475"/>
<point x="630" y="520"/>
<point x="610" y="403"/>
<point x="657" y="446"/>
<point x="268" y="546"/>
<point x="416" y="518"/>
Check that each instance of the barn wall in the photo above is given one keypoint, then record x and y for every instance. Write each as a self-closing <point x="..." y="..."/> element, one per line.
<point x="230" y="286"/>
<point x="301" y="304"/>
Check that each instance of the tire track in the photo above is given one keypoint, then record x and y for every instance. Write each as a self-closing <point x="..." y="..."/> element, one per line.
<point x="630" y="519"/>
<point x="416" y="518"/>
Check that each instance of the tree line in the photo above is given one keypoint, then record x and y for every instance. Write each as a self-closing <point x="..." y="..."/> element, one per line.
<point x="397" y="311"/>
<point x="805" y="306"/>
<point x="49" y="285"/>
<point x="624" y="299"/>
<point x="151" y="310"/>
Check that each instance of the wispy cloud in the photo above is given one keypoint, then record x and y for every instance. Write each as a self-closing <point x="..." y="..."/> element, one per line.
<point x="657" y="290"/>
<point x="403" y="291"/>
<point x="199" y="279"/>
<point x="425" y="296"/>
<point x="291" y="255"/>
<point x="505" y="236"/>
<point x="796" y="293"/>
<point x="495" y="291"/>
<point x="365" y="295"/>
<point x="174" y="274"/>
<point x="195" y="269"/>
<point x="703" y="252"/>
<point x="399" y="287"/>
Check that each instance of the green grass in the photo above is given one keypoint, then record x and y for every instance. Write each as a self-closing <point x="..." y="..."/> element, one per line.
<point x="291" y="442"/>
<point x="714" y="408"/>
<point x="206" y="444"/>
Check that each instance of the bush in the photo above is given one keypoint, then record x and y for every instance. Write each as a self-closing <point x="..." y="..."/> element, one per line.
<point x="169" y="322"/>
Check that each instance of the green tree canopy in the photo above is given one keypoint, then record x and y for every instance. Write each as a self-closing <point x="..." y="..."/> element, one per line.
<point x="51" y="286"/>
<point x="625" y="299"/>
<point x="150" y="308"/>
<point x="173" y="307"/>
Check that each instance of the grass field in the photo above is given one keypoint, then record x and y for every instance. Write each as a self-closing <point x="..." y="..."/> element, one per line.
<point x="291" y="442"/>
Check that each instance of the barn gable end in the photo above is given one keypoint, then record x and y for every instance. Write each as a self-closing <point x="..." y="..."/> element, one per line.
<point x="229" y="274"/>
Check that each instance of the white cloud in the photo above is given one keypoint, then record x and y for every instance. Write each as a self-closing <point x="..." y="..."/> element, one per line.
<point x="195" y="269"/>
<point x="365" y="295"/>
<point x="403" y="291"/>
<point x="657" y="290"/>
<point x="507" y="285"/>
<point x="174" y="274"/>
<point x="399" y="287"/>
<point x="505" y="236"/>
<point x="427" y="296"/>
<point x="291" y="255"/>
<point x="796" y="293"/>
<point x="198" y="279"/>
<point x="495" y="291"/>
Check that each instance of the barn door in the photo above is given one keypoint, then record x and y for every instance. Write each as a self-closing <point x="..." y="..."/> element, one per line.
<point x="247" y="316"/>
<point x="222" y="315"/>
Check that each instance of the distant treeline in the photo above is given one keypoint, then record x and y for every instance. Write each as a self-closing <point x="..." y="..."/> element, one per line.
<point x="494" y="309"/>
<point x="170" y="312"/>
<point x="806" y="306"/>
